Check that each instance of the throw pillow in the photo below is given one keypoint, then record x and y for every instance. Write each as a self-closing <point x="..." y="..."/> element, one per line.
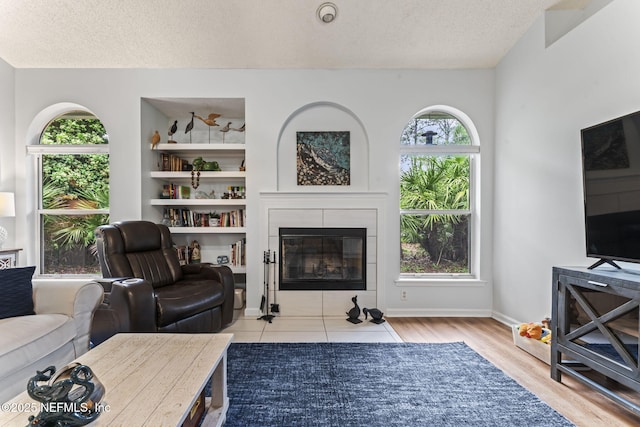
<point x="17" y="292"/>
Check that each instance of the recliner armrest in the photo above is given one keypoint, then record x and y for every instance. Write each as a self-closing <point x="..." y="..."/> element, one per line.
<point x="134" y="302"/>
<point x="223" y="275"/>
<point x="228" y="283"/>
<point x="107" y="282"/>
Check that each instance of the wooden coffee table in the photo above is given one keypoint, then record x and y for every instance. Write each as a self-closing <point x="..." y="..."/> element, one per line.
<point x="150" y="380"/>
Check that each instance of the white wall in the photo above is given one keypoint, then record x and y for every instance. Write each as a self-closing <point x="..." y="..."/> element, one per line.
<point x="7" y="167"/>
<point x="383" y="101"/>
<point x="543" y="98"/>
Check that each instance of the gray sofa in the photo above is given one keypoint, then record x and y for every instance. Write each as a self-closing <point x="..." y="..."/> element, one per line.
<point x="55" y="335"/>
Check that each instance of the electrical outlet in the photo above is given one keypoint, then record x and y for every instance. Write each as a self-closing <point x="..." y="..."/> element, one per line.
<point x="403" y="295"/>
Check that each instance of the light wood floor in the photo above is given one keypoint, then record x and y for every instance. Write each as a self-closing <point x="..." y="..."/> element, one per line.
<point x="493" y="340"/>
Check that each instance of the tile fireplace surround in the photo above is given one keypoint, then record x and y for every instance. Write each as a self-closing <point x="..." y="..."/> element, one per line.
<point x="348" y="209"/>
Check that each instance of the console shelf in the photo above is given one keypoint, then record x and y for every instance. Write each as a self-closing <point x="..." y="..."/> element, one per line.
<point x="595" y="324"/>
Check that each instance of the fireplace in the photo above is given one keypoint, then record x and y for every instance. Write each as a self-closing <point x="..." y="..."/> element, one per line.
<point x="323" y="258"/>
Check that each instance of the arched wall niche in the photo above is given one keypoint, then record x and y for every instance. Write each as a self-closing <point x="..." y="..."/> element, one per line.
<point x="317" y="117"/>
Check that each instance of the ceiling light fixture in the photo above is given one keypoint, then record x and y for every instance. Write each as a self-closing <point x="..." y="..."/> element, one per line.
<point x="327" y="12"/>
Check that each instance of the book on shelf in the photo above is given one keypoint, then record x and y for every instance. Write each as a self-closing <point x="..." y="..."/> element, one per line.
<point x="183" y="254"/>
<point x="238" y="253"/>
<point x="235" y="218"/>
<point x="174" y="191"/>
<point x="166" y="163"/>
<point x="173" y="163"/>
<point x="185" y="217"/>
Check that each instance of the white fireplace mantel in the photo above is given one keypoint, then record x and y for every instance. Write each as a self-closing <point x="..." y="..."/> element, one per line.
<point x="358" y="197"/>
<point x="327" y="209"/>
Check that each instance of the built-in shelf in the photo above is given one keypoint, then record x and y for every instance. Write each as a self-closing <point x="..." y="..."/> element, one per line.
<point x="209" y="144"/>
<point x="236" y="149"/>
<point x="203" y="175"/>
<point x="198" y="202"/>
<point x="208" y="230"/>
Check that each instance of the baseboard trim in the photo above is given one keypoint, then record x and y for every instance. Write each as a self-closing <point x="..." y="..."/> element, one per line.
<point x="428" y="312"/>
<point x="437" y="312"/>
<point x="502" y="318"/>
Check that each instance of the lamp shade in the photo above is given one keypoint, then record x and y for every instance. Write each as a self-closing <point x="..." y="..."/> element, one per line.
<point x="7" y="204"/>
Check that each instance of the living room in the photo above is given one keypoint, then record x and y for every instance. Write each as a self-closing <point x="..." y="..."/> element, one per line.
<point x="528" y="111"/>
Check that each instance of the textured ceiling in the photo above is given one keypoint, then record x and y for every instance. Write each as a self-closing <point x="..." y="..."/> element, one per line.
<point x="420" y="34"/>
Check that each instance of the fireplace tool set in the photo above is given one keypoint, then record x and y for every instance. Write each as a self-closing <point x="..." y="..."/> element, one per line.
<point x="266" y="308"/>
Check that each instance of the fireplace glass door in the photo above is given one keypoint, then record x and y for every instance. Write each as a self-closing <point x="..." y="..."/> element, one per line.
<point x="323" y="258"/>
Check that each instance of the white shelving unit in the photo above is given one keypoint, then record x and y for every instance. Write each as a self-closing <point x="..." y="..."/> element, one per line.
<point x="204" y="142"/>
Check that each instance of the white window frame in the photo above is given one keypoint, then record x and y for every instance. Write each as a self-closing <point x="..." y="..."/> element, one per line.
<point x="37" y="151"/>
<point x="473" y="151"/>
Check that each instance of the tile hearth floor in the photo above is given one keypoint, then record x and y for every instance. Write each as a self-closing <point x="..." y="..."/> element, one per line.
<point x="309" y="329"/>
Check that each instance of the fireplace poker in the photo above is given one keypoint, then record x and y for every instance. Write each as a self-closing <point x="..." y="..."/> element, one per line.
<point x="275" y="307"/>
<point x="264" y="283"/>
<point x="264" y="304"/>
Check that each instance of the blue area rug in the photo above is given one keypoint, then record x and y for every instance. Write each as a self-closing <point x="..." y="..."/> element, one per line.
<point x="354" y="384"/>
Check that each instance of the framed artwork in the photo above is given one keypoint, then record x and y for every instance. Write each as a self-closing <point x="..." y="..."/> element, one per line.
<point x="323" y="158"/>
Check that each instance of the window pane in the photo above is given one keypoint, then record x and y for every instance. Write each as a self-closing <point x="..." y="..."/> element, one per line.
<point x="75" y="129"/>
<point x="435" y="128"/>
<point x="69" y="244"/>
<point x="434" y="243"/>
<point x="75" y="181"/>
<point x="434" y="182"/>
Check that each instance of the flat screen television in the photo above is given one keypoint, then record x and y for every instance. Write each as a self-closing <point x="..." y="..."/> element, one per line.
<point x="611" y="174"/>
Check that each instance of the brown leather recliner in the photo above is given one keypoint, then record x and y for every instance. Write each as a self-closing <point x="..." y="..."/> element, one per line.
<point x="150" y="291"/>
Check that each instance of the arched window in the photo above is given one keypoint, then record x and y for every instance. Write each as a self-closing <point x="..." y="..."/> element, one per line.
<point x="438" y="154"/>
<point x="73" y="192"/>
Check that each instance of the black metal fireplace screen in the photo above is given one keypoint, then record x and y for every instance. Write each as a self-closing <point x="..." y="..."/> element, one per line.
<point x="323" y="258"/>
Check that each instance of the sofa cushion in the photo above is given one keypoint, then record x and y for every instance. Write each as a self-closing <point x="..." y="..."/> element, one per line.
<point x="26" y="339"/>
<point x="185" y="299"/>
<point x="17" y="292"/>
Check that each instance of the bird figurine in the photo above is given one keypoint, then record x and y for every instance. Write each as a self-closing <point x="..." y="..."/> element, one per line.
<point x="240" y="129"/>
<point x="172" y="130"/>
<point x="155" y="139"/>
<point x="190" y="125"/>
<point x="210" y="120"/>
<point x="224" y="130"/>
<point x="376" y="315"/>
<point x="354" y="313"/>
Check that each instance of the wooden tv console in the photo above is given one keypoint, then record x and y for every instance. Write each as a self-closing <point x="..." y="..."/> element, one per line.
<point x="595" y="326"/>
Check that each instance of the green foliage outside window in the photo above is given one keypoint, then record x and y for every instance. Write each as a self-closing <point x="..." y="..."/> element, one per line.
<point x="73" y="182"/>
<point x="74" y="131"/>
<point x="436" y="183"/>
<point x="434" y="242"/>
<point x="76" y="175"/>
